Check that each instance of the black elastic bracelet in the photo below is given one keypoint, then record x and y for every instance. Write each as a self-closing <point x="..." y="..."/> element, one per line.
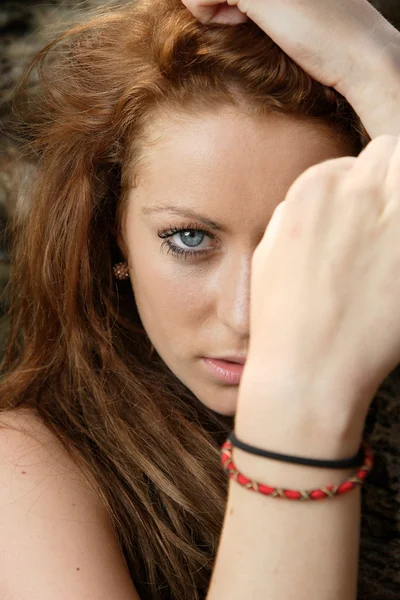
<point x="345" y="463"/>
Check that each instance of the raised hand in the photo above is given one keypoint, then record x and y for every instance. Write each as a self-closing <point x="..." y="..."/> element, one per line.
<point x="327" y="39"/>
<point x="325" y="293"/>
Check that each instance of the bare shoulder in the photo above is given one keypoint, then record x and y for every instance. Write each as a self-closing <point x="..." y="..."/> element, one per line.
<point x="33" y="460"/>
<point x="56" y="539"/>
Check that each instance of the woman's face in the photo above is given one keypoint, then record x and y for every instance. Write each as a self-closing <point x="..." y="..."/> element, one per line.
<point x="208" y="187"/>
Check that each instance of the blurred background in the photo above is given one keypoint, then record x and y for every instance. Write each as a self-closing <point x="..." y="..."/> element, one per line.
<point x="25" y="27"/>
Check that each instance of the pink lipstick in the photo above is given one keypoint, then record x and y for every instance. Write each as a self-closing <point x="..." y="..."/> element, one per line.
<point x="223" y="370"/>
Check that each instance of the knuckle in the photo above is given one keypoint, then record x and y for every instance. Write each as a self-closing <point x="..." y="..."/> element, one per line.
<point x="364" y="192"/>
<point x="360" y="186"/>
<point x="381" y="142"/>
<point x="315" y="181"/>
<point x="383" y="139"/>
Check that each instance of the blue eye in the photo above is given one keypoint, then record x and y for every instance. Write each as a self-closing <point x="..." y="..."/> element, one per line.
<point x="191" y="237"/>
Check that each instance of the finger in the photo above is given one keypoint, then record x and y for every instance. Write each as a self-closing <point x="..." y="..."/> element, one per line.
<point x="372" y="164"/>
<point x="319" y="174"/>
<point x="216" y="11"/>
<point x="229" y="15"/>
<point x="342" y="163"/>
<point x="205" y="10"/>
<point x="393" y="176"/>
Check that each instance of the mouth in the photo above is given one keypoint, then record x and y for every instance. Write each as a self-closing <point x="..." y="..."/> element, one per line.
<point x="227" y="371"/>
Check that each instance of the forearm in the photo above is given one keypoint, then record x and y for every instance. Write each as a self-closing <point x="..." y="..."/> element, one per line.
<point x="275" y="548"/>
<point x="373" y="87"/>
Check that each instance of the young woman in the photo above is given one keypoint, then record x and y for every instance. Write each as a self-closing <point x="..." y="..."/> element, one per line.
<point x="192" y="258"/>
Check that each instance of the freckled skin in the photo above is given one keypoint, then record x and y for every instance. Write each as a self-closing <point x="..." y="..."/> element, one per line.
<point x="234" y="169"/>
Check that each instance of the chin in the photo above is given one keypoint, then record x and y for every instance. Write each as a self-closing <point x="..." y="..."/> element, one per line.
<point x="222" y="401"/>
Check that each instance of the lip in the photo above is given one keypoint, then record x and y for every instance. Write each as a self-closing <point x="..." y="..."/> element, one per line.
<point x="228" y="372"/>
<point x="235" y="358"/>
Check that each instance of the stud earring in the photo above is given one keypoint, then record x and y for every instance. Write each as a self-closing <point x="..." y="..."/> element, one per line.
<point x="121" y="270"/>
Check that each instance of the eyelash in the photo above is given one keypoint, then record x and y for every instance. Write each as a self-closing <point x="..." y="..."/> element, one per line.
<point x="177" y="250"/>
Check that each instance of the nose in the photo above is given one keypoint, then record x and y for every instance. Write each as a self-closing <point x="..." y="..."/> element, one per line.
<point x="234" y="296"/>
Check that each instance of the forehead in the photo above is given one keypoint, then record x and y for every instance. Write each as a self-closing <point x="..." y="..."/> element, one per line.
<point x="229" y="161"/>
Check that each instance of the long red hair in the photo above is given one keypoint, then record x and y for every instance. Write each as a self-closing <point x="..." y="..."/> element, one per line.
<point x="77" y="353"/>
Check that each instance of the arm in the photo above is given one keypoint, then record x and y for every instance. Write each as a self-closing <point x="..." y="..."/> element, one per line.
<point x="276" y="548"/>
<point x="373" y="87"/>
<point x="346" y="44"/>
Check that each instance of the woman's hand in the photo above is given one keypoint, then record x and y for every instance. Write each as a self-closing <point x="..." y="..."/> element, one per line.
<point x="328" y="39"/>
<point x="325" y="297"/>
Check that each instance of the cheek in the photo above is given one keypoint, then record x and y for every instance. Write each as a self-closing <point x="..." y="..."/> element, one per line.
<point x="170" y="297"/>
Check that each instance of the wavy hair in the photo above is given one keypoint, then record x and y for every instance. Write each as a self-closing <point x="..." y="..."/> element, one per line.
<point x="77" y="354"/>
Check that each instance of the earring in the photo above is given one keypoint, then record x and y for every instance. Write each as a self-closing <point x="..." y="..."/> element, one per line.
<point x="121" y="271"/>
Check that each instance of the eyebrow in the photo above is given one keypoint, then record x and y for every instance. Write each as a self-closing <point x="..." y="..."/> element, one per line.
<point x="184" y="212"/>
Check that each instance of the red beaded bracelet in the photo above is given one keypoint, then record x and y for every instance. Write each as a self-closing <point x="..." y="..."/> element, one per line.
<point x="317" y="494"/>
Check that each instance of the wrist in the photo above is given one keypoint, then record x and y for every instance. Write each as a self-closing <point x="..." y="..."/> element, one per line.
<point x="301" y="438"/>
<point x="374" y="45"/>
<point x="372" y="85"/>
<point x="287" y="475"/>
<point x="292" y="416"/>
